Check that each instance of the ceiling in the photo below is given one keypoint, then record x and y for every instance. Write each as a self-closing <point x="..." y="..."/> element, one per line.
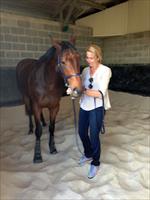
<point x="64" y="11"/>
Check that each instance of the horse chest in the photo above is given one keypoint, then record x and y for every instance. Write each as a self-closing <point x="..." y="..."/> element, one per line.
<point x="49" y="100"/>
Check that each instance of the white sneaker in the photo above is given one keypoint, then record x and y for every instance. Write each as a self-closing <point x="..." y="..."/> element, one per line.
<point x="93" y="171"/>
<point x="83" y="160"/>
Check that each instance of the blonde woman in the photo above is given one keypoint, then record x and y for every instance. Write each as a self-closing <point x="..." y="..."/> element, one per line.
<point x="95" y="80"/>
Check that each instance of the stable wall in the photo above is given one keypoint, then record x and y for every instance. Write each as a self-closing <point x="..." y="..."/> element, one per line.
<point x="138" y="16"/>
<point x="133" y="48"/>
<point x="129" y="17"/>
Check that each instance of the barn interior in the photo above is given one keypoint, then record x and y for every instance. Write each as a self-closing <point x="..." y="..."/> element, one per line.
<point x="122" y="29"/>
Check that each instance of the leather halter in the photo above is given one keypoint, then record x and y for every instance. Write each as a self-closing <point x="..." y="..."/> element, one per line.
<point x="60" y="68"/>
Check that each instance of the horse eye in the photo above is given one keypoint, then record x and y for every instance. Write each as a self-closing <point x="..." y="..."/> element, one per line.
<point x="63" y="62"/>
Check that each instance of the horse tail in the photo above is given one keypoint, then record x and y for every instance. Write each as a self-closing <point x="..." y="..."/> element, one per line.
<point x="18" y="77"/>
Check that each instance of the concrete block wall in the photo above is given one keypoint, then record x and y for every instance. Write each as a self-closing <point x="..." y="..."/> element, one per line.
<point x="28" y="37"/>
<point x="24" y="36"/>
<point x="128" y="49"/>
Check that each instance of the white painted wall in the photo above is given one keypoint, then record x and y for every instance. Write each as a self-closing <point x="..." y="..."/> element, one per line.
<point x="138" y="16"/>
<point x="129" y="17"/>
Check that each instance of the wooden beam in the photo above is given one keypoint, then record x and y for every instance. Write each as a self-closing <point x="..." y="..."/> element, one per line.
<point x="62" y="7"/>
<point x="79" y="13"/>
<point x="60" y="11"/>
<point x="64" y="20"/>
<point x="93" y="4"/>
<point x="72" y="6"/>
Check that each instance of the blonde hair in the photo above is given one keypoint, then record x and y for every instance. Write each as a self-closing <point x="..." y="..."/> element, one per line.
<point x="96" y="50"/>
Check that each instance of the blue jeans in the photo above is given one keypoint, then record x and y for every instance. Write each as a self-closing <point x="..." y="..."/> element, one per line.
<point x="91" y="120"/>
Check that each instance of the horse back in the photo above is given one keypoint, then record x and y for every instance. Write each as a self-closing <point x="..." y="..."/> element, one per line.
<point x="23" y="72"/>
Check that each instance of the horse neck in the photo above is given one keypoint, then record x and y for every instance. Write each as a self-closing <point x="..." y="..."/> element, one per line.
<point x="45" y="61"/>
<point x="50" y="71"/>
<point x="47" y="66"/>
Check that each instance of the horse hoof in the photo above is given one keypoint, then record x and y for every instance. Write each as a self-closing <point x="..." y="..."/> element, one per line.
<point x="54" y="151"/>
<point x="37" y="160"/>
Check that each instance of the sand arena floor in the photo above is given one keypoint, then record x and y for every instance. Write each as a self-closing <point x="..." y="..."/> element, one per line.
<point x="125" y="160"/>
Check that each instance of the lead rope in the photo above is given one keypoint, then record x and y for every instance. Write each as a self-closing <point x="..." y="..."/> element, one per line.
<point x="102" y="131"/>
<point x="75" y="125"/>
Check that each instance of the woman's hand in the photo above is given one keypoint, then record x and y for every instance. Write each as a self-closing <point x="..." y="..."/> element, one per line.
<point x="92" y="93"/>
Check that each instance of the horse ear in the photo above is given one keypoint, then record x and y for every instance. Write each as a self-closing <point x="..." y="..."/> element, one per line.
<point x="73" y="39"/>
<point x="57" y="46"/>
<point x="54" y="42"/>
<point x="51" y="37"/>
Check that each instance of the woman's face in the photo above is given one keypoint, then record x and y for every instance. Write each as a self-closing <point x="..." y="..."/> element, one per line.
<point x="91" y="59"/>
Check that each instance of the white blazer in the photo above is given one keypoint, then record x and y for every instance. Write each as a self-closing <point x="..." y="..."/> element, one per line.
<point x="100" y="82"/>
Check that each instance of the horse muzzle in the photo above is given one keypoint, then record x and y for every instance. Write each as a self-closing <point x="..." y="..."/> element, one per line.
<point x="74" y="92"/>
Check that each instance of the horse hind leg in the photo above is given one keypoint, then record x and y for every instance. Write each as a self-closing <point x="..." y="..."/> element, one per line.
<point x="38" y="133"/>
<point x="30" y="125"/>
<point x="28" y="109"/>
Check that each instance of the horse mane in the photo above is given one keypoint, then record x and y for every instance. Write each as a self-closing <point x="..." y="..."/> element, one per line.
<point x="48" y="55"/>
<point x="67" y="45"/>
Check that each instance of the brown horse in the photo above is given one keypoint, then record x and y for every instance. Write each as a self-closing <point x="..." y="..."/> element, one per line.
<point x="41" y="83"/>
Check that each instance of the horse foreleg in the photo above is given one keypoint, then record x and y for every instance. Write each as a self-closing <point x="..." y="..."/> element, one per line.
<point x="53" y="113"/>
<point x="38" y="132"/>
<point x="43" y="120"/>
<point x="52" y="146"/>
<point x="37" y="149"/>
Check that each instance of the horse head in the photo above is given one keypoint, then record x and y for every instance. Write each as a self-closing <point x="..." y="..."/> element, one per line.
<point x="69" y="66"/>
